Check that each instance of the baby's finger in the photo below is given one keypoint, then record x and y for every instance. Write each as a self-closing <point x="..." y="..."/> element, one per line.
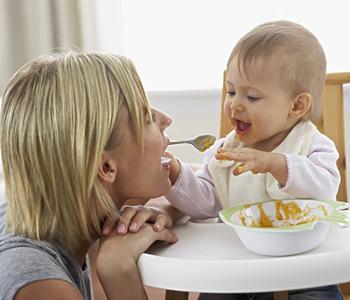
<point x="231" y="155"/>
<point x="246" y="167"/>
<point x="239" y="170"/>
<point x="251" y="166"/>
<point x="168" y="154"/>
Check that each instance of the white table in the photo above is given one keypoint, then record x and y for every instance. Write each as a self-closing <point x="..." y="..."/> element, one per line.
<point x="210" y="258"/>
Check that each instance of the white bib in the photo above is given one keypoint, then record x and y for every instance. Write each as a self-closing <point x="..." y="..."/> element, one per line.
<point x="248" y="187"/>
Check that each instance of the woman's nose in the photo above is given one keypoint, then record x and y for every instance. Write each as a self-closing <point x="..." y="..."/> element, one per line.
<point x="166" y="121"/>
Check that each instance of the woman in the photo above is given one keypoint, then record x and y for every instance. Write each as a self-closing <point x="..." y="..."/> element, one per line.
<point x="78" y="139"/>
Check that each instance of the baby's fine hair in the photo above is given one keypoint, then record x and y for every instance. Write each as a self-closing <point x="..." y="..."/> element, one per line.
<point x="303" y="62"/>
<point x="59" y="113"/>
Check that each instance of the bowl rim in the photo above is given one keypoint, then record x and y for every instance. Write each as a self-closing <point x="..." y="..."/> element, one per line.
<point x="226" y="214"/>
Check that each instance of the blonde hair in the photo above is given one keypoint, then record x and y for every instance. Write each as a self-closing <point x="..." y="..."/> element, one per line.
<point x="303" y="62"/>
<point x="59" y="113"/>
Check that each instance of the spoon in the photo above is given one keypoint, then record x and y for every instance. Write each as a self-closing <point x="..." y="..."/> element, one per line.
<point x="202" y="142"/>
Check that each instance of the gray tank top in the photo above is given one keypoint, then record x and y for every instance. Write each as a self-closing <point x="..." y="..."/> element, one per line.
<point x="23" y="260"/>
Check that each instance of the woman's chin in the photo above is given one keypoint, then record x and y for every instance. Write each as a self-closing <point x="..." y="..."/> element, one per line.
<point x="163" y="188"/>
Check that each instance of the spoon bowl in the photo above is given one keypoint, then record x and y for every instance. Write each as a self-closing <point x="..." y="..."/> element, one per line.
<point x="201" y="143"/>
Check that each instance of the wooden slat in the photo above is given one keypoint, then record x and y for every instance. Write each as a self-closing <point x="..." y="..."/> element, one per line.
<point x="225" y="125"/>
<point x="333" y="127"/>
<point x="283" y="295"/>
<point x="345" y="288"/>
<point x="176" y="295"/>
<point x="338" y="78"/>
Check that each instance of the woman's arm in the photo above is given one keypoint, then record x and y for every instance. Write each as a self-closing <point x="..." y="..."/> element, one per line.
<point x="117" y="257"/>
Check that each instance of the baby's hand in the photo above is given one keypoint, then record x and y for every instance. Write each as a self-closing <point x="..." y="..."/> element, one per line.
<point x="174" y="168"/>
<point x="251" y="160"/>
<point x="133" y="217"/>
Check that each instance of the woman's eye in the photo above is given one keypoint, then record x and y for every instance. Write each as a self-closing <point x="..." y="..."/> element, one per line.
<point x="231" y="93"/>
<point x="154" y="117"/>
<point x="149" y="119"/>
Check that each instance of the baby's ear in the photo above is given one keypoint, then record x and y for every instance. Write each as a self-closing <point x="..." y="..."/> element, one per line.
<point x="301" y="105"/>
<point x="107" y="170"/>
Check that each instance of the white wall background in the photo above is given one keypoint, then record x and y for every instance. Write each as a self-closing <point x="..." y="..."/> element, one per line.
<point x="180" y="49"/>
<point x="184" y="44"/>
<point x="347" y="135"/>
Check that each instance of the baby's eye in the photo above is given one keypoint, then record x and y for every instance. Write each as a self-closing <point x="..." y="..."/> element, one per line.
<point x="253" y="98"/>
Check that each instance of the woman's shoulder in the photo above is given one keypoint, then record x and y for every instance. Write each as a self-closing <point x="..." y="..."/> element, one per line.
<point x="24" y="261"/>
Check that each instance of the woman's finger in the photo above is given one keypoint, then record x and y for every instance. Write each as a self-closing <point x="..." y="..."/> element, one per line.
<point x="166" y="235"/>
<point x="162" y="221"/>
<point x="109" y="224"/>
<point x="127" y="214"/>
<point x="169" y="236"/>
<point x="145" y="214"/>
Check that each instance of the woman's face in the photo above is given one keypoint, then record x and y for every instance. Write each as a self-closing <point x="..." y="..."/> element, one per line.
<point x="140" y="175"/>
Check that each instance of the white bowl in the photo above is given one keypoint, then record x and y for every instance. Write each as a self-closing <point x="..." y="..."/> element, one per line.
<point x="293" y="226"/>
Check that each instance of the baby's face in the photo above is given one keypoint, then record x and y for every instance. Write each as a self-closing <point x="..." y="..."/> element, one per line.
<point x="257" y="106"/>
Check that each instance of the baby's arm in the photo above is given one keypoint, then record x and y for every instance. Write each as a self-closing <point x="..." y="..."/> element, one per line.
<point x="194" y="193"/>
<point x="312" y="176"/>
<point x="317" y="175"/>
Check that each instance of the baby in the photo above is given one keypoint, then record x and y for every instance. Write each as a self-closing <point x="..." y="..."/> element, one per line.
<point x="274" y="81"/>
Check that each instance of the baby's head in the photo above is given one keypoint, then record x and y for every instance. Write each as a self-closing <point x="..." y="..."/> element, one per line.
<point x="60" y="114"/>
<point x="292" y="53"/>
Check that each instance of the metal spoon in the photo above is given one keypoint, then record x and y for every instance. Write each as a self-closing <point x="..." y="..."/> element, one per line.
<point x="202" y="142"/>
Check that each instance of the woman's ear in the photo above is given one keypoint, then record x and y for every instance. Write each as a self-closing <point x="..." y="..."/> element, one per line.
<point x="301" y="105"/>
<point x="107" y="170"/>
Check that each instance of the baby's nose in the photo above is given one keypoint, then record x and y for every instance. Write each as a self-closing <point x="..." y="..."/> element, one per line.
<point x="236" y="106"/>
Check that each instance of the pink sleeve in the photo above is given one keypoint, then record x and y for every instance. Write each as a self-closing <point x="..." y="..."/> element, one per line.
<point x="315" y="175"/>
<point x="194" y="193"/>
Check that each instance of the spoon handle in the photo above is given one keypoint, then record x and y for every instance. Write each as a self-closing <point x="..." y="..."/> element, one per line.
<point x="180" y="142"/>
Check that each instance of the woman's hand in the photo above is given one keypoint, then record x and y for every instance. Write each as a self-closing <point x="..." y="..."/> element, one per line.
<point x="117" y="257"/>
<point x="132" y="217"/>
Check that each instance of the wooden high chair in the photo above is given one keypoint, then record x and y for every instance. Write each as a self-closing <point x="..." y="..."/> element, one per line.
<point x="331" y="124"/>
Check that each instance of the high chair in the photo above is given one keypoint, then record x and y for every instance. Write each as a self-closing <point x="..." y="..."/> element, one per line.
<point x="331" y="124"/>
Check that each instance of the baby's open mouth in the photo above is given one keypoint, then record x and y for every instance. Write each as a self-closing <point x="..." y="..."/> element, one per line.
<point x="242" y="127"/>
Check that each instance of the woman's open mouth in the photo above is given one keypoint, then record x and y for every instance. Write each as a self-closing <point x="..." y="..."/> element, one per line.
<point x="242" y="127"/>
<point x="165" y="162"/>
